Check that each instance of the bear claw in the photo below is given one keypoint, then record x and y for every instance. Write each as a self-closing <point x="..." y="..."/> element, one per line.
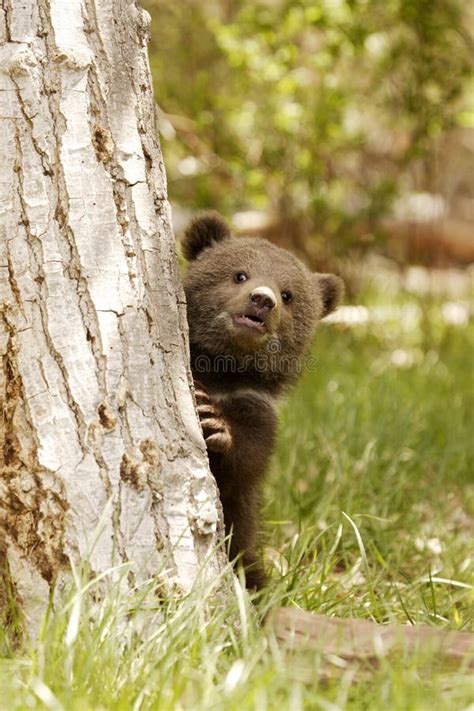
<point x="220" y="442"/>
<point x="215" y="429"/>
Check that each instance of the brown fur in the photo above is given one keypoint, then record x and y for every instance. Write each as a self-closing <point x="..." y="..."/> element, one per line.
<point x="239" y="370"/>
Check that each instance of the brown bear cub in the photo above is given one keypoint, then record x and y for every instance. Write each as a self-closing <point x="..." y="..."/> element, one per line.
<point x="252" y="310"/>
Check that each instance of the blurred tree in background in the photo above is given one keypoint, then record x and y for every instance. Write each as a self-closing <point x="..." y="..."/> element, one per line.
<point x="318" y="114"/>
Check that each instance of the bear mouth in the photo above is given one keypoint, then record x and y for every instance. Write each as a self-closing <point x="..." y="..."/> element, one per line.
<point x="250" y="321"/>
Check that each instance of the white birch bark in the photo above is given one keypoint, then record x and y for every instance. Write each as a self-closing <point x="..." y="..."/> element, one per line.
<point x="94" y="383"/>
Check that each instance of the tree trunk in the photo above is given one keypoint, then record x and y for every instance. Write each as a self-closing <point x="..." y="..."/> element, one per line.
<point x="95" y="392"/>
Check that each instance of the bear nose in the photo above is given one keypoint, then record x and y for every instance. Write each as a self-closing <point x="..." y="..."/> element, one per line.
<point x="263" y="298"/>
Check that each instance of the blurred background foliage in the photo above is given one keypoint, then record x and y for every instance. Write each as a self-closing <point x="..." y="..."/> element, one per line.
<point x="333" y="127"/>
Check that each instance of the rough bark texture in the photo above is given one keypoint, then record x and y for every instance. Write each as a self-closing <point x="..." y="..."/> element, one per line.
<point x="94" y="382"/>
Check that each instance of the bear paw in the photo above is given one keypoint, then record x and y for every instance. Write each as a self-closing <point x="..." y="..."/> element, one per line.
<point x="215" y="429"/>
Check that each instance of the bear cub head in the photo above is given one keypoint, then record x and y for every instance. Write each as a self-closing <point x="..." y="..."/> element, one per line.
<point x="250" y="302"/>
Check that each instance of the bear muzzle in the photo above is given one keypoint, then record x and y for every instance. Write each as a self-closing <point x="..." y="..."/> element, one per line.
<point x="257" y="315"/>
<point x="263" y="298"/>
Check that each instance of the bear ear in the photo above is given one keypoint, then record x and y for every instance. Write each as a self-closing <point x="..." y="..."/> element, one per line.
<point x="204" y="231"/>
<point x="331" y="290"/>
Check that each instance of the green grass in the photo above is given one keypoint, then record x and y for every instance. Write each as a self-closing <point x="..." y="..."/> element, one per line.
<point x="392" y="447"/>
<point x="368" y="512"/>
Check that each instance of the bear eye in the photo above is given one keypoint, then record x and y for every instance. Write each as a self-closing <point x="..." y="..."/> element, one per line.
<point x="287" y="296"/>
<point x="240" y="277"/>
